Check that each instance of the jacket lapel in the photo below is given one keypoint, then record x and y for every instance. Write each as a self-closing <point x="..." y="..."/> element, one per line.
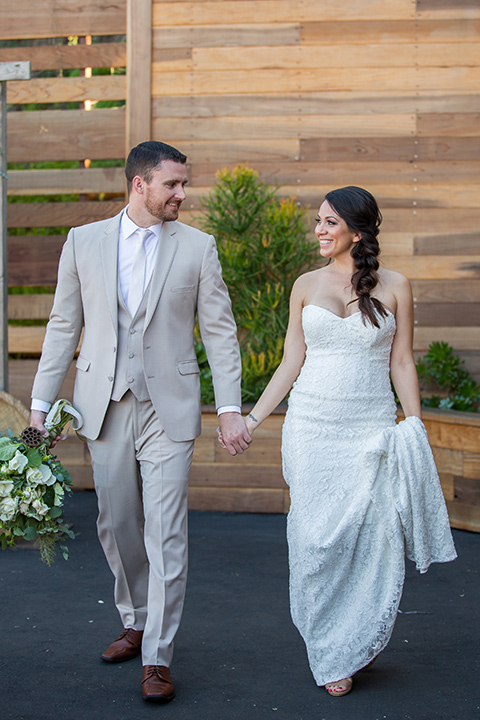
<point x="167" y="248"/>
<point x="109" y="254"/>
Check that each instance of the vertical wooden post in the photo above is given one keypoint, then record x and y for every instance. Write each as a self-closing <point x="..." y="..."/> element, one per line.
<point x="139" y="73"/>
<point x="8" y="71"/>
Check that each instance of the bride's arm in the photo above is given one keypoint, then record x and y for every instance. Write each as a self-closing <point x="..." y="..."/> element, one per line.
<point x="402" y="364"/>
<point x="290" y="366"/>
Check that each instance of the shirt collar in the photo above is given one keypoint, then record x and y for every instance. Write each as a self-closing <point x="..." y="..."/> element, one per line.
<point x="129" y="227"/>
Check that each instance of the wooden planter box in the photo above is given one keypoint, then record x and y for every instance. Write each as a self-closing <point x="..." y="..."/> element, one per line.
<point x="253" y="482"/>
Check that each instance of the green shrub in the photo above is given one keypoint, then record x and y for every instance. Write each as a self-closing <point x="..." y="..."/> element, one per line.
<point x="440" y="370"/>
<point x="263" y="246"/>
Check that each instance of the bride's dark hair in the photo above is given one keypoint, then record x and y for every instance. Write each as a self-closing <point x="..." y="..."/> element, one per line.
<point x="359" y="209"/>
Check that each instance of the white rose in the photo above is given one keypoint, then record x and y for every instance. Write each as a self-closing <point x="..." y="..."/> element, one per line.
<point x="40" y="508"/>
<point x="18" y="463"/>
<point x="27" y="497"/>
<point x="40" y="476"/>
<point x="6" y="487"/>
<point x="8" y="508"/>
<point x="59" y="494"/>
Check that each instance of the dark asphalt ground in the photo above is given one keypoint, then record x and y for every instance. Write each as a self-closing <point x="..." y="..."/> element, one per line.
<point x="238" y="656"/>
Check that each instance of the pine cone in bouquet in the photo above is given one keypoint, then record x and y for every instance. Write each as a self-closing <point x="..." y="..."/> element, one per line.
<point x="32" y="437"/>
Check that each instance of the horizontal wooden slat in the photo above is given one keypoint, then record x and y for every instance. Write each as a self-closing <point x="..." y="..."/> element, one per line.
<point x="434" y="220"/>
<point x="331" y="103"/>
<point x="352" y="56"/>
<point x="24" y="19"/>
<point x="454" y="314"/>
<point x="468" y="244"/>
<point x="412" y="149"/>
<point x="446" y="482"/>
<point x="280" y="11"/>
<point x="460" y="338"/>
<point x="434" y="291"/>
<point x="391" y="31"/>
<point x="231" y="152"/>
<point x="166" y="37"/>
<point x="464" y="516"/>
<point x="70" y="89"/>
<point x="53" y="135"/>
<point x="292" y="126"/>
<point x="60" y="214"/>
<point x="438" y="267"/>
<point x="396" y="244"/>
<point x="236" y="500"/>
<point x="26" y="340"/>
<point x="29" y="307"/>
<point x="321" y="175"/>
<point x="451" y="461"/>
<point x="467" y="490"/>
<point x="310" y="80"/>
<point x="444" y="9"/>
<point x="449" y="124"/>
<point x="92" y="180"/>
<point x="63" y="57"/>
<point x="254" y="475"/>
<point x="471" y="468"/>
<point x="33" y="259"/>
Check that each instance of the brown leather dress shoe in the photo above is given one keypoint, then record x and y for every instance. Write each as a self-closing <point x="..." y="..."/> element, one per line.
<point x="157" y="684"/>
<point x="125" y="647"/>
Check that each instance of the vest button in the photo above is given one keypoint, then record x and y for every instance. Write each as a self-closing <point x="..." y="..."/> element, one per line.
<point x="114" y="349"/>
<point x="110" y="378"/>
<point x="130" y="379"/>
<point x="132" y="331"/>
<point x="131" y="355"/>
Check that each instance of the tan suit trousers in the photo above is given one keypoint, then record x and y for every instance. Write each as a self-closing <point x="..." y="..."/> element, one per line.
<point x="141" y="481"/>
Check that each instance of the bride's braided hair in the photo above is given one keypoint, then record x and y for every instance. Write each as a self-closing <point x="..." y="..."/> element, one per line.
<point x="359" y="209"/>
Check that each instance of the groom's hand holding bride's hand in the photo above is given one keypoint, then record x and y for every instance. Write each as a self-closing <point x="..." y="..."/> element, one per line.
<point x="233" y="434"/>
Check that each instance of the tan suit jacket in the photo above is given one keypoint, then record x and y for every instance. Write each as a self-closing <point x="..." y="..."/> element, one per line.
<point x="186" y="280"/>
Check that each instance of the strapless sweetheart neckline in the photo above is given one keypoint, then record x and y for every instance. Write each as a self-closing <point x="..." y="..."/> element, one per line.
<point x="347" y="317"/>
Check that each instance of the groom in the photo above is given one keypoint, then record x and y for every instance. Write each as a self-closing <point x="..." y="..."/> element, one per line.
<point x="134" y="285"/>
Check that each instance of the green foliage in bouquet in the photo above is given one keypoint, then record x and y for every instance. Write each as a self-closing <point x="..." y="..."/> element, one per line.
<point x="442" y="371"/>
<point x="33" y="484"/>
<point x="263" y="246"/>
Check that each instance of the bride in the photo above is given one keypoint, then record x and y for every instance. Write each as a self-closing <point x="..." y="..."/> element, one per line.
<point x="363" y="489"/>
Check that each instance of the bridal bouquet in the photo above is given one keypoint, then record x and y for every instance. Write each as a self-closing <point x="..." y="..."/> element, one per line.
<point x="33" y="484"/>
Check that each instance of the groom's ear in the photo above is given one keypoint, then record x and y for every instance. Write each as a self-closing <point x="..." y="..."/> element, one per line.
<point x="138" y="185"/>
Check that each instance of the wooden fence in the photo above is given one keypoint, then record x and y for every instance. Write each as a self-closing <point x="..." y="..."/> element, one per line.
<point x="383" y="95"/>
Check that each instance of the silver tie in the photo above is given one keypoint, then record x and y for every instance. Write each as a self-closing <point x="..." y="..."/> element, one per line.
<point x="137" y="278"/>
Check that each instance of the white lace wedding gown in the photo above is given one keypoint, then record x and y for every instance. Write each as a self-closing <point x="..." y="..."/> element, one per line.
<point x="364" y="491"/>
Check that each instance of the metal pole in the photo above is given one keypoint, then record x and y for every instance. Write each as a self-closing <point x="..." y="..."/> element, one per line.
<point x="8" y="71"/>
<point x="3" y="235"/>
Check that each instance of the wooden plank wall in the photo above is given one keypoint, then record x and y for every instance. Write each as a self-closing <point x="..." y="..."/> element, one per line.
<point x="69" y="127"/>
<point x="382" y="95"/>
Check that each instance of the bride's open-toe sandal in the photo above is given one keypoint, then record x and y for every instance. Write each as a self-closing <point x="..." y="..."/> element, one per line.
<point x="340" y="687"/>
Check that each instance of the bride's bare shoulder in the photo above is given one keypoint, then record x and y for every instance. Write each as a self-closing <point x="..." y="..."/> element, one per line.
<point x="303" y="285"/>
<point x="392" y="278"/>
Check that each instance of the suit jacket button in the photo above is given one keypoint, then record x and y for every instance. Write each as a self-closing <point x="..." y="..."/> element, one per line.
<point x="110" y="378"/>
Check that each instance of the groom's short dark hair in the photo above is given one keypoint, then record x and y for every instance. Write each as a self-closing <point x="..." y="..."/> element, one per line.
<point x="144" y="158"/>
